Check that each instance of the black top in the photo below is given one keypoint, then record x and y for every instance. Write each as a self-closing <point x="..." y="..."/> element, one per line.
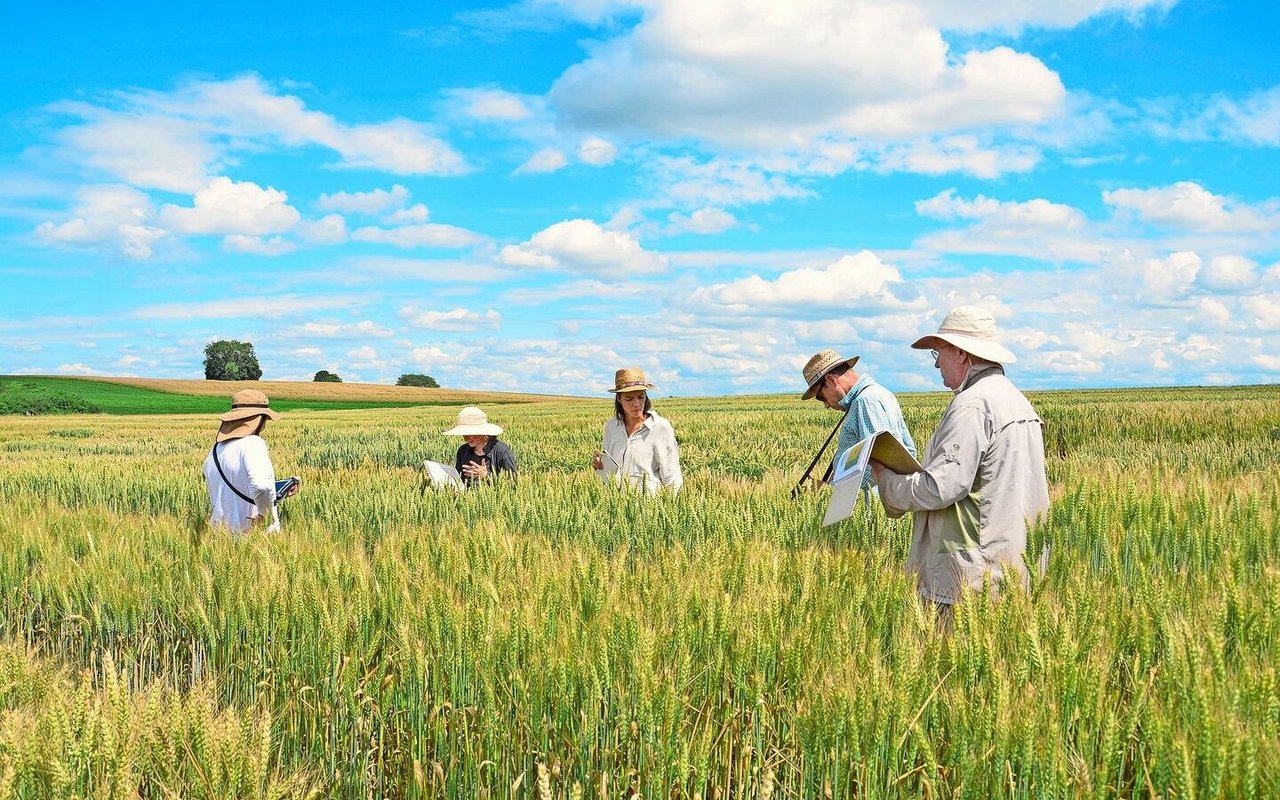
<point x="497" y="454"/>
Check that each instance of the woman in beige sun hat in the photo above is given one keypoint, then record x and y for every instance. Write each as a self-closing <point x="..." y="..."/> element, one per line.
<point x="481" y="455"/>
<point x="640" y="447"/>
<point x="238" y="471"/>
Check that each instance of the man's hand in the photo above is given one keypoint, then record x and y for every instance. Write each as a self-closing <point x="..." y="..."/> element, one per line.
<point x="597" y="461"/>
<point x="292" y="490"/>
<point x="877" y="471"/>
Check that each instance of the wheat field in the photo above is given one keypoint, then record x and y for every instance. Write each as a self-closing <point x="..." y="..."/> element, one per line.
<point x="563" y="639"/>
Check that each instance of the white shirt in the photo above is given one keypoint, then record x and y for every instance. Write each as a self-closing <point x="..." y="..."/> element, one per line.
<point x="247" y="465"/>
<point x="647" y="459"/>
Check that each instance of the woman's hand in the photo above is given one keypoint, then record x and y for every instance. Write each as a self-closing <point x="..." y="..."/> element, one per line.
<point x="476" y="471"/>
<point x="597" y="461"/>
<point x="292" y="490"/>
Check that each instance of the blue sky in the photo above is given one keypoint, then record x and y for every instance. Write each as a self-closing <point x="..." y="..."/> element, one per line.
<point x="529" y="196"/>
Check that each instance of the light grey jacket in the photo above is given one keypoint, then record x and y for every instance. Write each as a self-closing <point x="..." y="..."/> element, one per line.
<point x="983" y="483"/>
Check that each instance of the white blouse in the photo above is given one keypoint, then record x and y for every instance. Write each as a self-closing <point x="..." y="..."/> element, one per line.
<point x="248" y="466"/>
<point x="647" y="459"/>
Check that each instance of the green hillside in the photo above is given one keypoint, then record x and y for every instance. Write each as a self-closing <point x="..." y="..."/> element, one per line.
<point x="20" y="394"/>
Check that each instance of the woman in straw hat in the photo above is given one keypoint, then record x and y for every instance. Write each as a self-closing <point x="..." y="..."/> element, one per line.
<point x="639" y="446"/>
<point x="481" y="455"/>
<point x="238" y="470"/>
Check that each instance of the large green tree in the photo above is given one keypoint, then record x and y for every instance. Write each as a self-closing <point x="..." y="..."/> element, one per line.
<point x="325" y="376"/>
<point x="228" y="360"/>
<point x="417" y="379"/>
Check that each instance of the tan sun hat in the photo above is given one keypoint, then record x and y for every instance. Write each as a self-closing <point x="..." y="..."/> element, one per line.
<point x="973" y="330"/>
<point x="246" y="406"/>
<point x="473" y="422"/>
<point x="822" y="362"/>
<point x="630" y="379"/>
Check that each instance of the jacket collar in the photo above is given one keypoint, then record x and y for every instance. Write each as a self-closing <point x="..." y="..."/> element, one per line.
<point x="979" y="371"/>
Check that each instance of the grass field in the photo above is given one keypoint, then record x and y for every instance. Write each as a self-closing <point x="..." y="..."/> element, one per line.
<point x="563" y="639"/>
<point x="150" y="396"/>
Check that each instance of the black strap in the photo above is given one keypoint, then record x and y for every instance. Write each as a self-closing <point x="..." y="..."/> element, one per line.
<point x="217" y="463"/>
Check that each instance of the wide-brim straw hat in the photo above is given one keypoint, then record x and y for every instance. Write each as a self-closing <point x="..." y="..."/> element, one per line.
<point x="473" y="422"/>
<point x="630" y="379"/>
<point x="973" y="330"/>
<point x="247" y="405"/>
<point x="822" y="362"/>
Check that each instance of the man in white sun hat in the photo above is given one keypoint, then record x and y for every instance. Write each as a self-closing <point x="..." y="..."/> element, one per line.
<point x="983" y="481"/>
<point x="834" y="381"/>
<point x="238" y="470"/>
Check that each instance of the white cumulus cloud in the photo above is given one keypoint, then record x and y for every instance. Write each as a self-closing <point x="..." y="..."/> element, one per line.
<point x="581" y="245"/>
<point x="1228" y="274"/>
<point x="548" y="159"/>
<point x="369" y="203"/>
<point x="113" y="215"/>
<point x="704" y="220"/>
<point x="230" y="207"/>
<point x="760" y="72"/>
<point x="456" y="319"/>
<point x="408" y="216"/>
<point x="596" y="151"/>
<point x="1190" y="206"/>
<point x="855" y="282"/>
<point x="411" y="236"/>
<point x="491" y="104"/>
<point x="330" y="229"/>
<point x="258" y="245"/>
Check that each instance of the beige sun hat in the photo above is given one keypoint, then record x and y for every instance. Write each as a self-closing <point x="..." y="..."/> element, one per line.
<point x="246" y="406"/>
<point x="630" y="379"/>
<point x="473" y="422"/>
<point x="973" y="330"/>
<point x="822" y="362"/>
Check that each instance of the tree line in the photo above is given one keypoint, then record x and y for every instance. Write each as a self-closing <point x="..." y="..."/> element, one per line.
<point x="230" y="360"/>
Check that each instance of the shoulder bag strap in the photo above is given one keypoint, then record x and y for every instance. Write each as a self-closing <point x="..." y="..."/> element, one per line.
<point x="218" y="463"/>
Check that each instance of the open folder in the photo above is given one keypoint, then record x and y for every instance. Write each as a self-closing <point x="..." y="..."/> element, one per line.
<point x="852" y="464"/>
<point x="443" y="476"/>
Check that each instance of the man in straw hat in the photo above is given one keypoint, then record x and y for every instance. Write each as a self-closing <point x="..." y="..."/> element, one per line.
<point x="983" y="481"/>
<point x="238" y="471"/>
<point x="833" y="381"/>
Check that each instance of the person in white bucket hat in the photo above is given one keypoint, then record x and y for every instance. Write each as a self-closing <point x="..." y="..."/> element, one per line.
<point x="481" y="455"/>
<point x="983" y="482"/>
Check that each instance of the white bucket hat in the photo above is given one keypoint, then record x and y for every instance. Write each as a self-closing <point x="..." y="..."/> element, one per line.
<point x="473" y="422"/>
<point x="973" y="330"/>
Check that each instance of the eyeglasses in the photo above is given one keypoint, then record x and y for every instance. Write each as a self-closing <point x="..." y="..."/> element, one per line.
<point x="933" y="354"/>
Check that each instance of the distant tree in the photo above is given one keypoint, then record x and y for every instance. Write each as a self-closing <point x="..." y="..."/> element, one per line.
<point x="417" y="379"/>
<point x="226" y="360"/>
<point x="325" y="376"/>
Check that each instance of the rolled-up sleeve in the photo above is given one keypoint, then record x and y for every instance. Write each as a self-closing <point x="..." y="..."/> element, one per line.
<point x="955" y="453"/>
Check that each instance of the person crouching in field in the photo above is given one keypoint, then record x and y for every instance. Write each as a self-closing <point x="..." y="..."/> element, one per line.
<point x="481" y="456"/>
<point x="639" y="446"/>
<point x="238" y="470"/>
<point x="983" y="481"/>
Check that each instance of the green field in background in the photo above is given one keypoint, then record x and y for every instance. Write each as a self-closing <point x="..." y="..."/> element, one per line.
<point x="114" y="398"/>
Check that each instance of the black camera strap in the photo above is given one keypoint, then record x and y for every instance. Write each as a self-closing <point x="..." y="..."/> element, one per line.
<point x="218" y="463"/>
